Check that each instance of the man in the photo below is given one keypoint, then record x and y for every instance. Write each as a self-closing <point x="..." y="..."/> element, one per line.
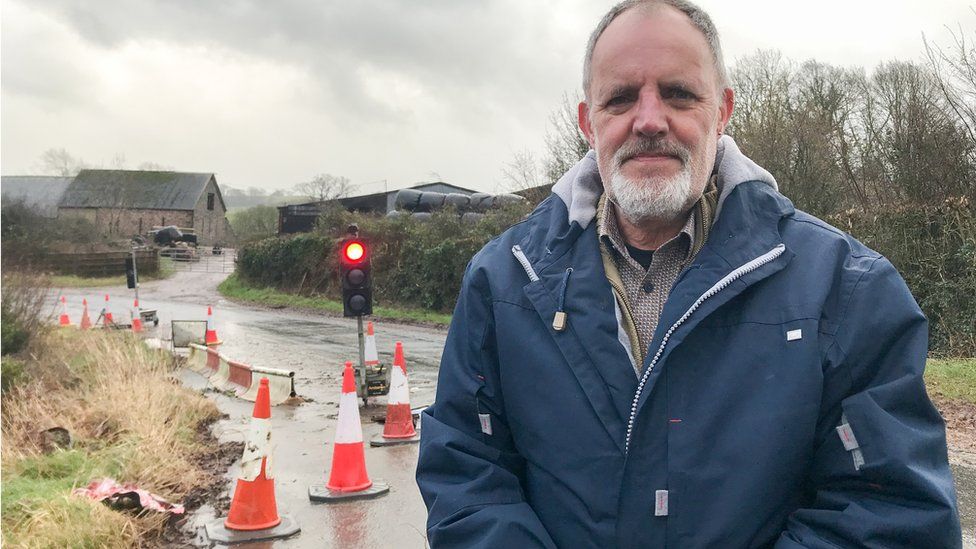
<point x="667" y="354"/>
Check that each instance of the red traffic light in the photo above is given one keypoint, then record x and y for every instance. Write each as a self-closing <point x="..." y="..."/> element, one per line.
<point x="354" y="251"/>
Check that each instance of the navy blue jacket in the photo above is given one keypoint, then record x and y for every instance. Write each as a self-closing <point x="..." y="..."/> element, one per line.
<point x="781" y="402"/>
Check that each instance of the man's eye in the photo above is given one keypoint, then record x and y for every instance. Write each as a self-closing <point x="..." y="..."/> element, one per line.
<point x="618" y="100"/>
<point x="681" y="94"/>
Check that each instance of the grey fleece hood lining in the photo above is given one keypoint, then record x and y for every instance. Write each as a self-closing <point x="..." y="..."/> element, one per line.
<point x="581" y="187"/>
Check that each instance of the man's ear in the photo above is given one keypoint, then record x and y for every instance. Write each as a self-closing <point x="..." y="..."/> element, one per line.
<point x="583" y="118"/>
<point x="725" y="109"/>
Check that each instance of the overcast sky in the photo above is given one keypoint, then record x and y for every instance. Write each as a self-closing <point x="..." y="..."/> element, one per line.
<point x="267" y="94"/>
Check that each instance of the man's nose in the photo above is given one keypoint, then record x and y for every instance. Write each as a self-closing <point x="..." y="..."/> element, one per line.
<point x="650" y="118"/>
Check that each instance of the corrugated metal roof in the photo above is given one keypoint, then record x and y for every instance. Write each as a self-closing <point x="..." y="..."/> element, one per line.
<point x="134" y="189"/>
<point x="39" y="192"/>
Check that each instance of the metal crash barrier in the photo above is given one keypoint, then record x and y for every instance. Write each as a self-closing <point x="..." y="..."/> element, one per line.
<point x="229" y="375"/>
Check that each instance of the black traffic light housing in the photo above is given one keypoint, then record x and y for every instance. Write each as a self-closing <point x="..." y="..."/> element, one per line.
<point x="355" y="273"/>
<point x="130" y="273"/>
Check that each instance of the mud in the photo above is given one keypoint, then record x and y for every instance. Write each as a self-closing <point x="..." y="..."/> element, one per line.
<point x="315" y="346"/>
<point x="179" y="533"/>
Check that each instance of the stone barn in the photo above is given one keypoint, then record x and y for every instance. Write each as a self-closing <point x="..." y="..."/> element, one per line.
<point x="129" y="202"/>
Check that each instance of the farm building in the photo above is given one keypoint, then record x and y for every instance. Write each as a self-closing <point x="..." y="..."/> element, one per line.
<point x="130" y="202"/>
<point x="39" y="193"/>
<point x="297" y="218"/>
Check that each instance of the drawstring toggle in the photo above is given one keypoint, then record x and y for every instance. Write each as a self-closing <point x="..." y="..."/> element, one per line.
<point x="559" y="320"/>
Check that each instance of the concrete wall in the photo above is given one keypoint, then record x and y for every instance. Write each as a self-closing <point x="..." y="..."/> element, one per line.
<point x="211" y="225"/>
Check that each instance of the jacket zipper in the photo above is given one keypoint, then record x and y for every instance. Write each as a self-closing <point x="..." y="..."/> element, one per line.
<point x="711" y="292"/>
<point x="520" y="256"/>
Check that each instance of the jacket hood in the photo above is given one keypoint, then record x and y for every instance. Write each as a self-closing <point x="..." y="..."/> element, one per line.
<point x="580" y="188"/>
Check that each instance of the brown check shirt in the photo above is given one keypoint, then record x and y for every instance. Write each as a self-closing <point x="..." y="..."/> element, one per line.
<point x="646" y="290"/>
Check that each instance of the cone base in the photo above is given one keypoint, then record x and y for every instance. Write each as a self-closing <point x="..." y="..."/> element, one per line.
<point x="218" y="533"/>
<point x="320" y="493"/>
<point x="380" y="440"/>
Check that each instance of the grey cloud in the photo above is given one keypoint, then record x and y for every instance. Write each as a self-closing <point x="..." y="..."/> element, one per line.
<point x="454" y="49"/>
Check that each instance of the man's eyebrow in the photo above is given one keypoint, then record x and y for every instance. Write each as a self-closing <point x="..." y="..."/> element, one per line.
<point x="619" y="89"/>
<point x="683" y="83"/>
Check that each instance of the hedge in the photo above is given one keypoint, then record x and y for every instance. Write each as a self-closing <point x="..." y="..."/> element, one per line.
<point x="416" y="263"/>
<point x="420" y="263"/>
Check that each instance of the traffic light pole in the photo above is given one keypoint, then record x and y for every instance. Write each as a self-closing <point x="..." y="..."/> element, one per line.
<point x="135" y="274"/>
<point x="362" y="358"/>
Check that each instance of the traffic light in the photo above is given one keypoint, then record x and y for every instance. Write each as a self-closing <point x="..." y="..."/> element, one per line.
<point x="130" y="272"/>
<point x="355" y="273"/>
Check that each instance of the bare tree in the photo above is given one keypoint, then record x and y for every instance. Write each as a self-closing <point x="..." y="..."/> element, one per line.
<point x="923" y="148"/>
<point x="565" y="142"/>
<point x="59" y="162"/>
<point x="119" y="162"/>
<point x="521" y="172"/>
<point x="955" y="71"/>
<point x="154" y="167"/>
<point x="325" y="187"/>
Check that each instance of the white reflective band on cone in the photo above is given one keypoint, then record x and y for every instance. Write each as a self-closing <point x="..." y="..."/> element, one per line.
<point x="257" y="447"/>
<point x="369" y="354"/>
<point x="399" y="392"/>
<point x="349" y="430"/>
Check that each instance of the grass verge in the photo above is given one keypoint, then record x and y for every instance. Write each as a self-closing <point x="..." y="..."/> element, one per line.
<point x="129" y="419"/>
<point x="234" y="288"/>
<point x="952" y="378"/>
<point x="166" y="270"/>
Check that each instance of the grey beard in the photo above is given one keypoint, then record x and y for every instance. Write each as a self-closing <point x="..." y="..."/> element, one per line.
<point x="651" y="198"/>
<point x="656" y="200"/>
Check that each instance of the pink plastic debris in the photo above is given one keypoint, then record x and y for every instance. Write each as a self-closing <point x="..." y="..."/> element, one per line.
<point x="126" y="496"/>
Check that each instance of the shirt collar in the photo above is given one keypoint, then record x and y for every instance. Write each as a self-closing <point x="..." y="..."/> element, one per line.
<point x="609" y="231"/>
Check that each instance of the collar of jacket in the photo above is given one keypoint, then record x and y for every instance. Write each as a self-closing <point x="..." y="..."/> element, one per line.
<point x="746" y="227"/>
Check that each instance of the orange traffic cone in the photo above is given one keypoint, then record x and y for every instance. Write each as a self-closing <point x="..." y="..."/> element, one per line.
<point x="369" y="354"/>
<point x="85" y="319"/>
<point x="64" y="313"/>
<point x="398" y="428"/>
<point x="253" y="511"/>
<point x="211" y="336"/>
<point x="108" y="314"/>
<point x="348" y="479"/>
<point x="136" y="318"/>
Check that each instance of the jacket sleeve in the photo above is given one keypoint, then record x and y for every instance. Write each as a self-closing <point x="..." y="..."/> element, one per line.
<point x="887" y="483"/>
<point x="469" y="470"/>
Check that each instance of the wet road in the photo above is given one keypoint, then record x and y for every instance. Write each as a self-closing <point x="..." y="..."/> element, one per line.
<point x="315" y="347"/>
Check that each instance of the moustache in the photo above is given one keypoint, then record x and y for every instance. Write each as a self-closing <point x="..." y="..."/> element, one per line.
<point x="646" y="145"/>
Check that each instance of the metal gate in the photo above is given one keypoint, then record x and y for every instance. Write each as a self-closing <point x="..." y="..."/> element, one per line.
<point x="201" y="259"/>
